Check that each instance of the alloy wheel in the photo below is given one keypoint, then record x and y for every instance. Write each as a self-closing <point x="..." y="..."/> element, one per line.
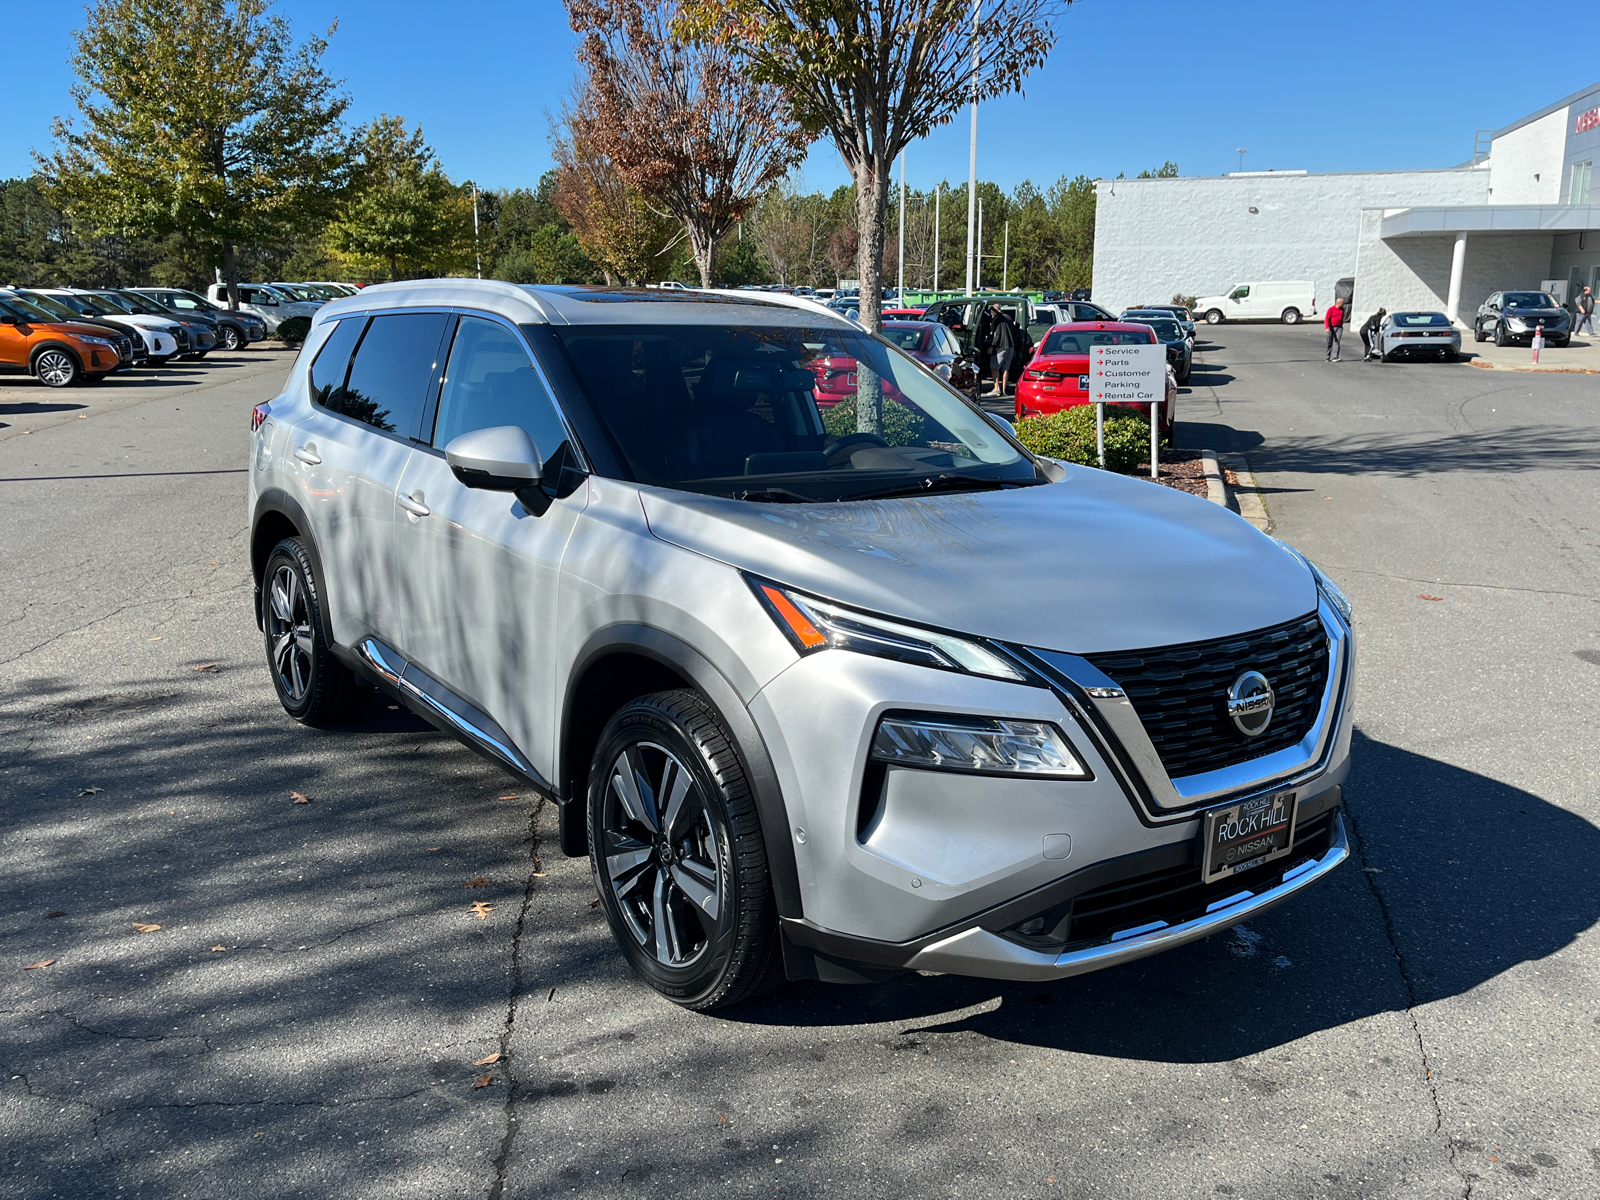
<point x="289" y="633"/>
<point x="660" y="855"/>
<point x="231" y="339"/>
<point x="55" y="368"/>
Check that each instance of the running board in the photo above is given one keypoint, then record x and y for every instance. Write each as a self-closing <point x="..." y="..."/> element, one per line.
<point x="436" y="703"/>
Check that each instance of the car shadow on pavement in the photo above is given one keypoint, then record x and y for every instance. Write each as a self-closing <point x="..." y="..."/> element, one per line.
<point x="1514" y="448"/>
<point x="1454" y="878"/>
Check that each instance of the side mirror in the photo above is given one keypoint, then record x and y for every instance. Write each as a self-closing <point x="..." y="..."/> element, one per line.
<point x="501" y="458"/>
<point x="8" y="319"/>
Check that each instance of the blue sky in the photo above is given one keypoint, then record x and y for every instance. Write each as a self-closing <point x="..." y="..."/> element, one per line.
<point x="1359" y="86"/>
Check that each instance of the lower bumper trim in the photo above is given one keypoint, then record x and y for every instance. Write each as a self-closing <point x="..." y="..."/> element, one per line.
<point x="978" y="952"/>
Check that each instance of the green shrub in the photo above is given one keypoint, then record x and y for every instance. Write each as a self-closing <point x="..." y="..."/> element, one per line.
<point x="1069" y="435"/>
<point x="1187" y="301"/>
<point x="293" y="331"/>
<point x="901" y="426"/>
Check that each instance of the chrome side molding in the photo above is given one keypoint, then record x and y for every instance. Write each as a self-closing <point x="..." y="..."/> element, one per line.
<point x="451" y="712"/>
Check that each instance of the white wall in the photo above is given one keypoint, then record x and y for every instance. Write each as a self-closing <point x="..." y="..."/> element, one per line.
<point x="1157" y="237"/>
<point x="1525" y="165"/>
<point x="1414" y="272"/>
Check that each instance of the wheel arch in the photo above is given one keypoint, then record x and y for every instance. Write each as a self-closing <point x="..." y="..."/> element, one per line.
<point x="55" y="344"/>
<point x="622" y="662"/>
<point x="278" y="515"/>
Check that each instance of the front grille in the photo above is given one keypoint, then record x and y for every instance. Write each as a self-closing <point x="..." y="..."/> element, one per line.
<point x="180" y="335"/>
<point x="1177" y="895"/>
<point x="1180" y="692"/>
<point x="124" y="348"/>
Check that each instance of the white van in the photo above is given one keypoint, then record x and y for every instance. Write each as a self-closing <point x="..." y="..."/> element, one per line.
<point x="1286" y="302"/>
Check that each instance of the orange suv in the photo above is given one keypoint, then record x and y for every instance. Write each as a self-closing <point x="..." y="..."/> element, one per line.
<point x="60" y="353"/>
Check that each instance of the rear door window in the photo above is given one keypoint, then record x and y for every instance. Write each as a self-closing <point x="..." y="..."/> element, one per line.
<point x="332" y="363"/>
<point x="490" y="381"/>
<point x="389" y="377"/>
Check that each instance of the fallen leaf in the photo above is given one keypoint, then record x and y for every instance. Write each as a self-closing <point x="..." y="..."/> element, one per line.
<point x="538" y="875"/>
<point x="145" y="928"/>
<point x="1425" y="596"/>
<point x="481" y="910"/>
<point x="56" y="912"/>
<point x="154" y="639"/>
<point x="551" y="996"/>
<point x="90" y="791"/>
<point x="217" y="949"/>
<point x="1049" y="1178"/>
<point x="595" y="901"/>
<point x="484" y="1062"/>
<point x="509" y="796"/>
<point x="431" y="849"/>
<point x="300" y="798"/>
<point x="483" y="1081"/>
<point x="259" y="1134"/>
<point x="209" y="667"/>
<point x="36" y="966"/>
<point x="480" y="881"/>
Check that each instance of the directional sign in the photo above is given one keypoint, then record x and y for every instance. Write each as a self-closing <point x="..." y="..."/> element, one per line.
<point x="1127" y="374"/>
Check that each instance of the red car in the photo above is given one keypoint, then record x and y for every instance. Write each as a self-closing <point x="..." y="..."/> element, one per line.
<point x="931" y="344"/>
<point x="1057" y="376"/>
<point x="901" y="314"/>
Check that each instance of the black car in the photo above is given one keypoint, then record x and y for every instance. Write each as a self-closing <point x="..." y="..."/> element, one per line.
<point x="204" y="336"/>
<point x="1176" y="311"/>
<point x="1511" y="318"/>
<point x="1180" y="352"/>
<point x="235" y="329"/>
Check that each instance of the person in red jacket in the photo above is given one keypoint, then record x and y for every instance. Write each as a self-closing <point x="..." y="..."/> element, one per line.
<point x="1333" y="322"/>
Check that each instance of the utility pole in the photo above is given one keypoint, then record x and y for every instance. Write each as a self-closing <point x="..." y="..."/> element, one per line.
<point x="977" y="258"/>
<point x="900" y="293"/>
<point x="1242" y="152"/>
<point x="939" y="188"/>
<point x="1005" y="262"/>
<point x="972" y="160"/>
<point x="476" y="250"/>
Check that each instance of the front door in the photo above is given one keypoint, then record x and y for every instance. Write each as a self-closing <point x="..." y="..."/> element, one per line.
<point x="348" y="455"/>
<point x="478" y="571"/>
<point x="14" y="344"/>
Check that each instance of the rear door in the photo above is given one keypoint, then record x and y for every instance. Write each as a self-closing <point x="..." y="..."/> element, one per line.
<point x="349" y="452"/>
<point x="478" y="572"/>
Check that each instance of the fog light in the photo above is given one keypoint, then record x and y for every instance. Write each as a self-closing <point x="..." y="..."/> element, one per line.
<point x="985" y="746"/>
<point x="1035" y="925"/>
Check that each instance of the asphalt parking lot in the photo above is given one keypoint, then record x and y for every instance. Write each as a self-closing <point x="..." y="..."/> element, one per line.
<point x="319" y="1011"/>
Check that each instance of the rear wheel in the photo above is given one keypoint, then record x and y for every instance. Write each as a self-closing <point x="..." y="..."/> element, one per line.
<point x="1291" y="316"/>
<point x="56" y="368"/>
<point x="314" y="687"/>
<point x="678" y="856"/>
<point x="1214" y="317"/>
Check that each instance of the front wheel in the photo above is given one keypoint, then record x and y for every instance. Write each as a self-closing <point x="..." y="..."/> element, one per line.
<point x="678" y="856"/>
<point x="1291" y="316"/>
<point x="160" y="360"/>
<point x="56" y="368"/>
<point x="1500" y="338"/>
<point x="313" y="686"/>
<point x="1478" y="334"/>
<point x="1214" y="317"/>
<point x="232" y="339"/>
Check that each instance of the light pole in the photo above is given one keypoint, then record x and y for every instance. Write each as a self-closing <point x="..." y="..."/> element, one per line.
<point x="972" y="159"/>
<point x="476" y="251"/>
<point x="1242" y="153"/>
<point x="938" y="188"/>
<point x="1005" y="262"/>
<point x="900" y="287"/>
<point x="977" y="258"/>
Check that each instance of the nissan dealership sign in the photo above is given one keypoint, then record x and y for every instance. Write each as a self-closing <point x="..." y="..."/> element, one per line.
<point x="1587" y="121"/>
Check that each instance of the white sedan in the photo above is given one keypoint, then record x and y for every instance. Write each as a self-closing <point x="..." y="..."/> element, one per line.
<point x="1410" y="334"/>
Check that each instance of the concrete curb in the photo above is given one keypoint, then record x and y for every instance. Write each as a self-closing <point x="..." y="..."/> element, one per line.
<point x="1247" y="497"/>
<point x="1216" y="486"/>
<point x="1531" y="368"/>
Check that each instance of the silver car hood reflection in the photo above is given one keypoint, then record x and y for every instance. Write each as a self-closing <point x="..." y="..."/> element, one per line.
<point x="1094" y="563"/>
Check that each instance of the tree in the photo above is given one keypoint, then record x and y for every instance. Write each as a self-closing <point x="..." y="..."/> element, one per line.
<point x="680" y="122"/>
<point x="202" y="118"/>
<point x="1167" y="170"/>
<point x="403" y="212"/>
<point x="613" y="222"/>
<point x="876" y="75"/>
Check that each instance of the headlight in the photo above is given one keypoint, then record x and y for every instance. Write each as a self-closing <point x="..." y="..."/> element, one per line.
<point x="986" y="746"/>
<point x="1326" y="586"/>
<point x="813" y="625"/>
<point x="94" y="341"/>
<point x="1516" y="323"/>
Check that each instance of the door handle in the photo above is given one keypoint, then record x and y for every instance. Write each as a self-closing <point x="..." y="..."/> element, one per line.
<point x="308" y="454"/>
<point x="415" y="507"/>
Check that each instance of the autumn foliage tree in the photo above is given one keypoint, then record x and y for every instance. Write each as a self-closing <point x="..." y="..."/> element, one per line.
<point x="698" y="138"/>
<point x="875" y="75"/>
<point x="616" y="226"/>
<point x="201" y="118"/>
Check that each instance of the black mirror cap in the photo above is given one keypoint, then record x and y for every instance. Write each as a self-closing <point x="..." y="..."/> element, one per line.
<point x="501" y="458"/>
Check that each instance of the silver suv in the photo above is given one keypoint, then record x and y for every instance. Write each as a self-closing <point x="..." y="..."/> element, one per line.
<point x="826" y="675"/>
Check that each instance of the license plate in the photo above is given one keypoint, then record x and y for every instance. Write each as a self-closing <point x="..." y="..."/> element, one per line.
<point x="1247" y="834"/>
<point x="1083" y="383"/>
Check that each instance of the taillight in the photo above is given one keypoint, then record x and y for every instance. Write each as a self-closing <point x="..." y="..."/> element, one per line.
<point x="1030" y="373"/>
<point x="258" y="414"/>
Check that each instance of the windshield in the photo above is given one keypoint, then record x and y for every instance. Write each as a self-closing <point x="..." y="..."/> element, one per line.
<point x="1412" y="319"/>
<point x="1530" y="300"/>
<point x="113" y="303"/>
<point x="74" y="305"/>
<point x="906" y="339"/>
<point x="26" y="309"/>
<point x="1166" y="329"/>
<point x="142" y="304"/>
<point x="1067" y="342"/>
<point x="783" y="413"/>
<point x="296" y="293"/>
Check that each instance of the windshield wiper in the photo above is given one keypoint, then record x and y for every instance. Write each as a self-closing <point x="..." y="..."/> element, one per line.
<point x="942" y="483"/>
<point x="776" y="495"/>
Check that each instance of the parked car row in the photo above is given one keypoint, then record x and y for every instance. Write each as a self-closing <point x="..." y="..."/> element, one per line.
<point x="65" y="336"/>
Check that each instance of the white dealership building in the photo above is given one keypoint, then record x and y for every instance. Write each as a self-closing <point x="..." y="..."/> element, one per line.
<point x="1518" y="215"/>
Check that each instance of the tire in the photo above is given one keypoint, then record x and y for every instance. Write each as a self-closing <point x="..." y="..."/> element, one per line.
<point x="1500" y="338"/>
<point x="232" y="339"/>
<point x="1183" y="380"/>
<point x="57" y="368"/>
<point x="1291" y="316"/>
<point x="1478" y="335"/>
<point x="1450" y="356"/>
<point x="313" y="686"/>
<point x="1214" y="317"/>
<point x="690" y="905"/>
<point x="160" y="360"/>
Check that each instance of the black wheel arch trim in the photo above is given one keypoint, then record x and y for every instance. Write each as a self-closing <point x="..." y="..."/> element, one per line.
<point x="679" y="656"/>
<point x="44" y="347"/>
<point x="276" y="500"/>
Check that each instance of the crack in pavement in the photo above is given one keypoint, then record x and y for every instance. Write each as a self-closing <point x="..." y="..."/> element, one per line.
<point x="1493" y="587"/>
<point x="70" y="1017"/>
<point x="513" y="1084"/>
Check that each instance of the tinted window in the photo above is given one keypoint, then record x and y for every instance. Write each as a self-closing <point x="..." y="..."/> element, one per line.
<point x="906" y="339"/>
<point x="1530" y="300"/>
<point x="489" y="381"/>
<point x="391" y="370"/>
<point x="1079" y="343"/>
<point x="1415" y="319"/>
<point x="328" y="369"/>
<point x="1167" y="331"/>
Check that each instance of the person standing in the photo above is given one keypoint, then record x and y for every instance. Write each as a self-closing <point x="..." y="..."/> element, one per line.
<point x="1584" y="315"/>
<point x="1370" y="333"/>
<point x="1333" y="322"/>
<point x="1003" y="342"/>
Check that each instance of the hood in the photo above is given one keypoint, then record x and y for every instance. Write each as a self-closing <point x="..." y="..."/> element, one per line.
<point x="147" y="321"/>
<point x="1097" y="562"/>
